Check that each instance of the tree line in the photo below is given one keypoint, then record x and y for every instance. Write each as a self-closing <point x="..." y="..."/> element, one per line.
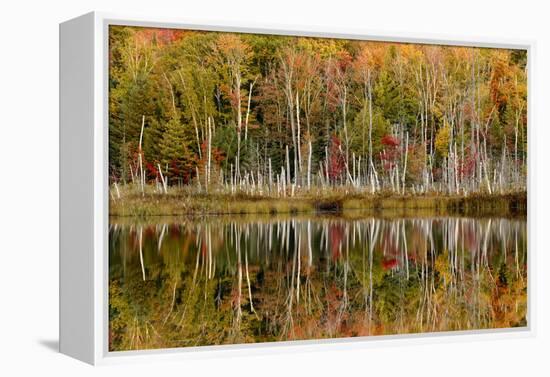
<point x="277" y="115"/>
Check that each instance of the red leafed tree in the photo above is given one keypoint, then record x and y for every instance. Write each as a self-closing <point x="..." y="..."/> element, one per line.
<point x="391" y="151"/>
<point x="468" y="165"/>
<point x="217" y="157"/>
<point x="389" y="264"/>
<point x="390" y="141"/>
<point x="336" y="236"/>
<point x="336" y="163"/>
<point x="160" y="36"/>
<point x="151" y="170"/>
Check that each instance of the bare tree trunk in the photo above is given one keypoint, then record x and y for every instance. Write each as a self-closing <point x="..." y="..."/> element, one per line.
<point x="171" y="93"/>
<point x="237" y="89"/>
<point x="283" y="181"/>
<point x="326" y="166"/>
<point x="164" y="187"/>
<point x="287" y="167"/>
<point x="193" y="116"/>
<point x="248" y="110"/>
<point x="309" y="165"/>
<point x="248" y="282"/>
<point x="270" y="175"/>
<point x="140" y="158"/>
<point x="288" y="79"/>
<point x="516" y="165"/>
<point x="132" y="174"/>
<point x="344" y="116"/>
<point x="349" y="178"/>
<point x="369" y="91"/>
<point x="231" y="180"/>
<point x="117" y="190"/>
<point x="455" y="168"/>
<point x="209" y="156"/>
<point x="198" y="178"/>
<point x="239" y="281"/>
<point x="298" y="171"/>
<point x="359" y="172"/>
<point x="141" y="252"/>
<point x="405" y="163"/>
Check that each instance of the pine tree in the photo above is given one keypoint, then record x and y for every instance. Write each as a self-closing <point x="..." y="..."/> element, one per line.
<point x="175" y="151"/>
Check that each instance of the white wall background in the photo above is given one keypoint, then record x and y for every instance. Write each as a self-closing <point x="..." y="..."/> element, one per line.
<point x="29" y="183"/>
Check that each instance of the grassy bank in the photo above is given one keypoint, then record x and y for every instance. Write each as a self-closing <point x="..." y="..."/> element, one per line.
<point x="184" y="204"/>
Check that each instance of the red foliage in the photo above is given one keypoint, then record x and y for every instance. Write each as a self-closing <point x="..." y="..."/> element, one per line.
<point x="334" y="301"/>
<point x="332" y="95"/>
<point x="148" y="232"/>
<point x="160" y="36"/>
<point x="174" y="167"/>
<point x="336" y="163"/>
<point x="389" y="264"/>
<point x="217" y="154"/>
<point x="336" y="74"/>
<point x="390" y="153"/>
<point x="233" y="98"/>
<point x="471" y="239"/>
<point x="203" y="249"/>
<point x="336" y="236"/>
<point x="174" y="231"/>
<point x="151" y="169"/>
<point x="467" y="167"/>
<point x="387" y="160"/>
<point x="390" y="141"/>
<point x="344" y="60"/>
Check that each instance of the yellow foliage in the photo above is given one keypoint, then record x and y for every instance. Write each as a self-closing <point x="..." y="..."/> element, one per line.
<point x="442" y="140"/>
<point x="442" y="266"/>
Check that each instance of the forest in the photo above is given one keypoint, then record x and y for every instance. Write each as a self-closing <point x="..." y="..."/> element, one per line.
<point x="253" y="115"/>
<point x="273" y="188"/>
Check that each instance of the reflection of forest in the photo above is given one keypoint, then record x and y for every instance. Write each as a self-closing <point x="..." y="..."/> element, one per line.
<point x="227" y="280"/>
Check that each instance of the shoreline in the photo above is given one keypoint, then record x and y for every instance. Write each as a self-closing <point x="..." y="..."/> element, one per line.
<point x="384" y="205"/>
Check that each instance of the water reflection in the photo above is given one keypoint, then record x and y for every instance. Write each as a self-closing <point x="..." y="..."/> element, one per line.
<point x="224" y="280"/>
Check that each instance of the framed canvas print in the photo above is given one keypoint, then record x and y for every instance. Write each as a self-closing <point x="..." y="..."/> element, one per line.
<point x="226" y="188"/>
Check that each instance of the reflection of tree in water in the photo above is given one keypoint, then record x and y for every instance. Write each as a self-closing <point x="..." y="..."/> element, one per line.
<point x="225" y="280"/>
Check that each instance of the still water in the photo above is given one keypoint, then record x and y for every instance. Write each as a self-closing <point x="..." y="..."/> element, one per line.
<point x="226" y="280"/>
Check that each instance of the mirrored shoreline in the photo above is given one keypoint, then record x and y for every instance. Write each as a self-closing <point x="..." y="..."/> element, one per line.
<point x="245" y="279"/>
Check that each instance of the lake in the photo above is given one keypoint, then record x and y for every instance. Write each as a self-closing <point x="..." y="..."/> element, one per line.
<point x="241" y="279"/>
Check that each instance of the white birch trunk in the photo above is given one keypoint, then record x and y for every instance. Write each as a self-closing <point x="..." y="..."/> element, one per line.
<point x="140" y="158"/>
<point x="163" y="181"/>
<point x="405" y="163"/>
<point x="309" y="165"/>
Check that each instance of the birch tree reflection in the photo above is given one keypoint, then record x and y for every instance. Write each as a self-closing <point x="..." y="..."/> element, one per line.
<point x="222" y="280"/>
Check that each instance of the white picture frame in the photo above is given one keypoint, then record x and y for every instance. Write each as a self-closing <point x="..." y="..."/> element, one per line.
<point x="84" y="191"/>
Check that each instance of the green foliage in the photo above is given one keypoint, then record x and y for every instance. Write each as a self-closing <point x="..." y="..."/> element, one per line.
<point x="175" y="150"/>
<point x="184" y="82"/>
<point x="196" y="285"/>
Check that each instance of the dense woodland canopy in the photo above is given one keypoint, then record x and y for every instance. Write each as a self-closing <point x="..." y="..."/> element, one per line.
<point x="263" y="113"/>
<point x="195" y="117"/>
